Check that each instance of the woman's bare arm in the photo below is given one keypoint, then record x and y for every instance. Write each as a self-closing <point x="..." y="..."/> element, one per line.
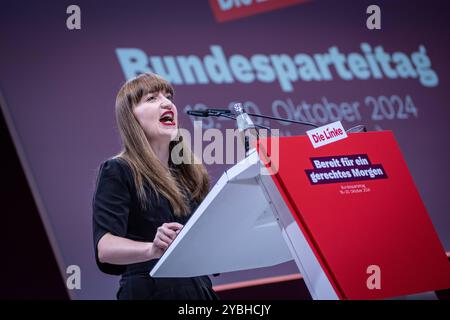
<point x="118" y="250"/>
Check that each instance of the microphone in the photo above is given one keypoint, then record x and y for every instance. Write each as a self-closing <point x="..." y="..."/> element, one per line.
<point x="218" y="112"/>
<point x="358" y="128"/>
<point x="198" y="113"/>
<point x="208" y="112"/>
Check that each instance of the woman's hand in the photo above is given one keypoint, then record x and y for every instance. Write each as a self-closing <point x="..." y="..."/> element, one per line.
<point x="166" y="233"/>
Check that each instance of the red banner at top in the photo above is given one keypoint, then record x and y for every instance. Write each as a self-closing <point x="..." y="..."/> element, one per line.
<point x="225" y="10"/>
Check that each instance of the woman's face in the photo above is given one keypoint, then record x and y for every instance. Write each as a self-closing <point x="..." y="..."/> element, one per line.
<point x="158" y="116"/>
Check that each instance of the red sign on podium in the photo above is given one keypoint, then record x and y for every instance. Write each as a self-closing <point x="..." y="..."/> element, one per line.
<point x="357" y="205"/>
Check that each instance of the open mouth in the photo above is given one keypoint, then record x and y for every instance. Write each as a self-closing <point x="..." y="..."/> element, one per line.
<point x="167" y="118"/>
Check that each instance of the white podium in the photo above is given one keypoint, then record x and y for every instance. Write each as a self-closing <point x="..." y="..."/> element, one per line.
<point x="243" y="223"/>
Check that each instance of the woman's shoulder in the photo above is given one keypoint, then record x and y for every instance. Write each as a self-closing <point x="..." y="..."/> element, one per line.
<point x="116" y="166"/>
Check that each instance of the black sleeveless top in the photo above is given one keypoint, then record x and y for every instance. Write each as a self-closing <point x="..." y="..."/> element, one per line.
<point x="116" y="209"/>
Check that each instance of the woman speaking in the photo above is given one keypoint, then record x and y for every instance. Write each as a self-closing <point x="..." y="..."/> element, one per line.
<point x="143" y="198"/>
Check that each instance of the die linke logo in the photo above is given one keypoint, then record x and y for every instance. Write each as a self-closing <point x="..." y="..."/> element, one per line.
<point x="225" y="10"/>
<point x="326" y="134"/>
<point x="346" y="168"/>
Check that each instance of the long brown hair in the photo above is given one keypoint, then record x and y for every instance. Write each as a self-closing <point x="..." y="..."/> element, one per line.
<point x="174" y="183"/>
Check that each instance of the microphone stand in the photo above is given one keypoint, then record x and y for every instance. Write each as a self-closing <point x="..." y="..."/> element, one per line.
<point x="227" y="114"/>
<point x="284" y="120"/>
<point x="234" y="118"/>
<point x="219" y="113"/>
